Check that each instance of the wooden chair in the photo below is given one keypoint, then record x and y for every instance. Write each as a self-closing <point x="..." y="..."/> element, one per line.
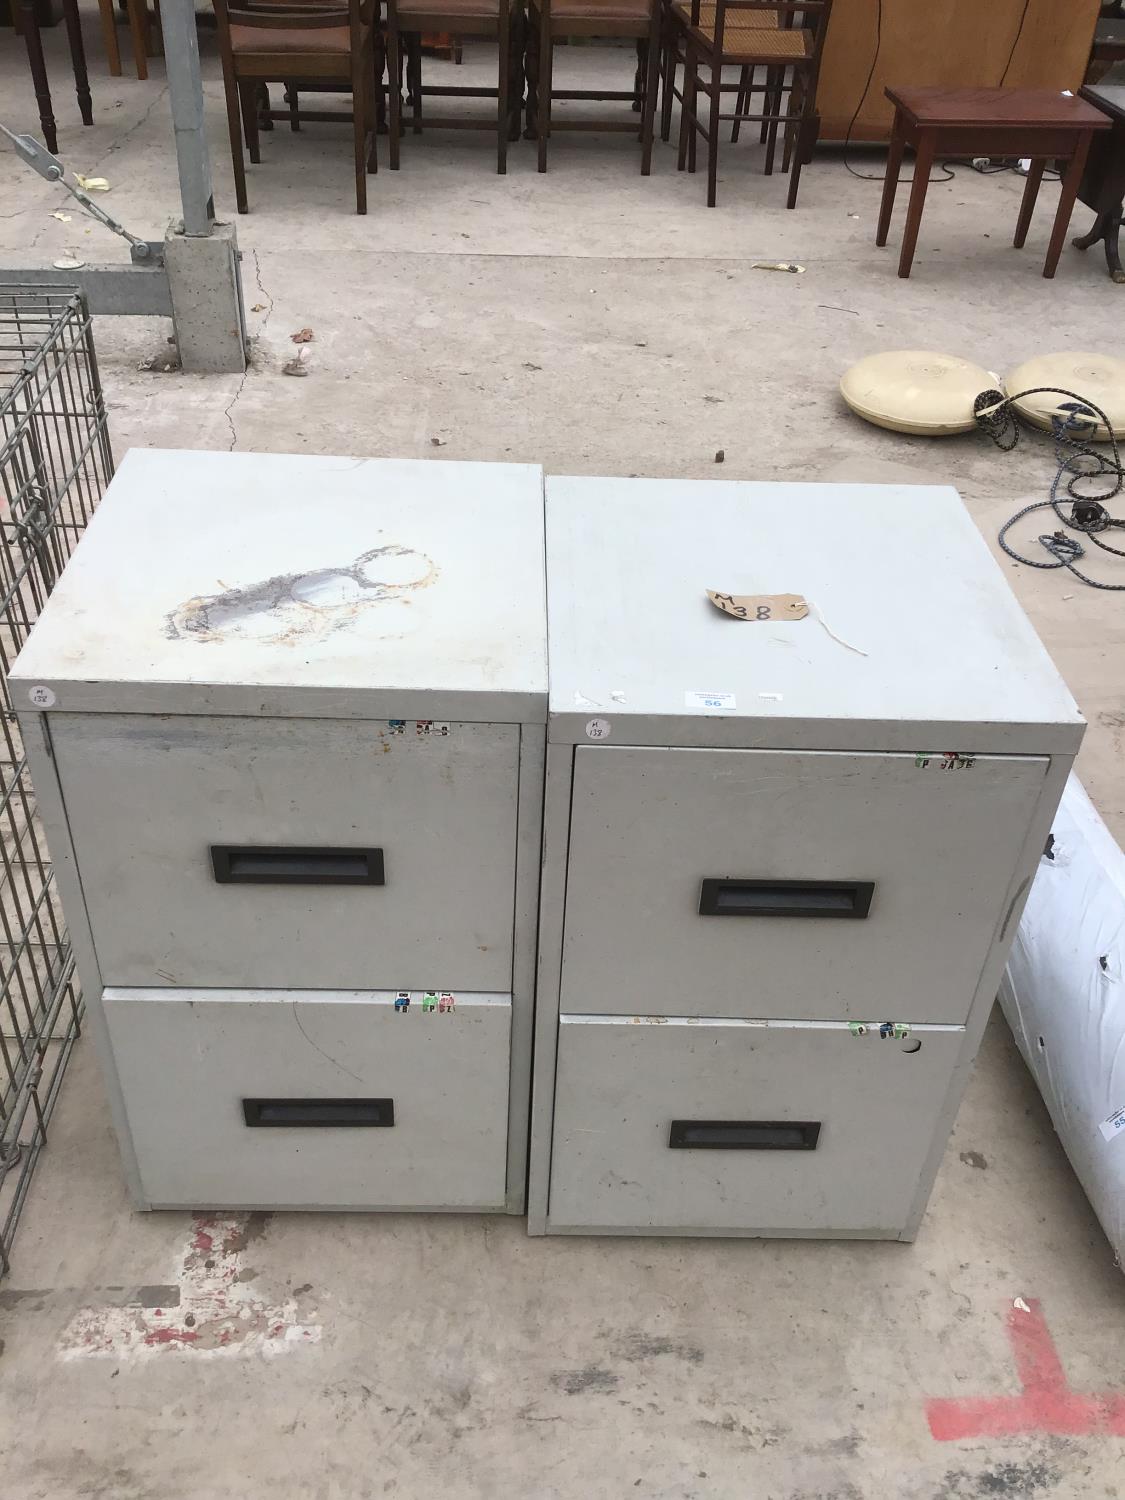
<point x="327" y="45"/>
<point x="548" y="20"/>
<point x="714" y="34"/>
<point x="672" y="54"/>
<point x="499" y="20"/>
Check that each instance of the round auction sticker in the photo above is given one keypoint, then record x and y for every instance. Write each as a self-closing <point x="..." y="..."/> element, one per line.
<point x="597" y="729"/>
<point x="42" y="697"/>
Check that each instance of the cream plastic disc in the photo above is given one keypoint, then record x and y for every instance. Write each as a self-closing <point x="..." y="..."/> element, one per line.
<point x="916" y="390"/>
<point x="1098" y="377"/>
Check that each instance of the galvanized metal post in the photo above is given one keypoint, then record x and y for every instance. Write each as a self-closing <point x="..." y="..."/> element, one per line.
<point x="201" y="256"/>
<point x="185" y="90"/>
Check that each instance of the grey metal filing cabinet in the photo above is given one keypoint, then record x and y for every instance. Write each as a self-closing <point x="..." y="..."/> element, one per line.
<point x="285" y="717"/>
<point x="784" y="856"/>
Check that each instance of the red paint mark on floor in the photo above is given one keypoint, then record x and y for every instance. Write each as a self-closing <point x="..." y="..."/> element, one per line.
<point x="218" y="1312"/>
<point x="1046" y="1405"/>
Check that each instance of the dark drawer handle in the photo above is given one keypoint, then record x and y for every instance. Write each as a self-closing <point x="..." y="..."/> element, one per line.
<point x="305" y="1112"/>
<point x="786" y="898"/>
<point x="251" y="864"/>
<point x="744" y="1135"/>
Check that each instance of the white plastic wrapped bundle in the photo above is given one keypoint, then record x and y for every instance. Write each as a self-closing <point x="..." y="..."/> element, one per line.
<point x="1064" y="999"/>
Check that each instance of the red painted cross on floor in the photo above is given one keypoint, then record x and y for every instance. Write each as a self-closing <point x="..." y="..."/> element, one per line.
<point x="1047" y="1404"/>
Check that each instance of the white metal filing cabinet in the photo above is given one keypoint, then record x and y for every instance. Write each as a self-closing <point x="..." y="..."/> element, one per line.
<point x="285" y="717"/>
<point x="784" y="856"/>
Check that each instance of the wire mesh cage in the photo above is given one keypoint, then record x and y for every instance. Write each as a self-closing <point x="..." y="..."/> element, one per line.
<point x="55" y="461"/>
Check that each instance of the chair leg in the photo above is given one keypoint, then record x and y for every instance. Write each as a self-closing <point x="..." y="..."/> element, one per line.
<point x="640" y="73"/>
<point x="531" y="106"/>
<point x="517" y="47"/>
<point x="807" y="129"/>
<point x="668" y="82"/>
<point x="373" y="93"/>
<point x="34" y="44"/>
<point x="503" y="66"/>
<point x="78" y="60"/>
<point x="775" y="117"/>
<point x="394" y="93"/>
<point x="693" y="138"/>
<point x="794" y="116"/>
<point x="293" y="99"/>
<point x="379" y="65"/>
<point x="137" y="30"/>
<point x="359" y="142"/>
<point x="648" y="114"/>
<point x="234" y="126"/>
<point x="414" y="79"/>
<point x="742" y="99"/>
<point x="767" y="95"/>
<point x="546" y="59"/>
<point x="248" y="103"/>
<point x="262" y="101"/>
<point x="109" y="34"/>
<point x="687" y="106"/>
<point x="713" y="131"/>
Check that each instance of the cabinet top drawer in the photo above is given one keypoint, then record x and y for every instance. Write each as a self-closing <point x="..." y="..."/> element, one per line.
<point x="301" y="586"/>
<point x="912" y="640"/>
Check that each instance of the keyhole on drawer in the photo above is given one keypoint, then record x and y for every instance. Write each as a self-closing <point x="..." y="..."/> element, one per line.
<point x="912" y="1045"/>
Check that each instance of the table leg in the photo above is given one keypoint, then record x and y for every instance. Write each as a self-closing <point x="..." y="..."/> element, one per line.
<point x="890" y="182"/>
<point x="1071" y="182"/>
<point x="1027" y="205"/>
<point x="78" y="60"/>
<point x="923" y="161"/>
<point x="39" y="74"/>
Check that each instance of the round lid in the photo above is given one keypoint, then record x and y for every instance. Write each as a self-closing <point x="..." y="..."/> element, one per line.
<point x="1098" y="377"/>
<point x="916" y="390"/>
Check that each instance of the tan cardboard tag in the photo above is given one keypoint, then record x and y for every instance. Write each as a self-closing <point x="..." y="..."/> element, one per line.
<point x="760" y="606"/>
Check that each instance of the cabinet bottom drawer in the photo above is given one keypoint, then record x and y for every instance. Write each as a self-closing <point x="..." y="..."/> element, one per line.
<point x="314" y="1098"/>
<point x="742" y="1127"/>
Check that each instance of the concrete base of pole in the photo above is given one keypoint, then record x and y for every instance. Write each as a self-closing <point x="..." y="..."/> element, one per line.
<point x="207" y="311"/>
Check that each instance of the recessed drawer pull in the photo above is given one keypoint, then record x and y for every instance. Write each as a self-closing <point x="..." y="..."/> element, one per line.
<point x="252" y="864"/>
<point x="785" y="898"/>
<point x="744" y="1135"/>
<point x="323" y="1112"/>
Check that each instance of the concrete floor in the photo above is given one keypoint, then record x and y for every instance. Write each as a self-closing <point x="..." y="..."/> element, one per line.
<point x="598" y="323"/>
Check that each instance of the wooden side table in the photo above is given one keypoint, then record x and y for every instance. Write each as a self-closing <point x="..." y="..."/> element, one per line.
<point x="1042" y="124"/>
<point x="1103" y="184"/>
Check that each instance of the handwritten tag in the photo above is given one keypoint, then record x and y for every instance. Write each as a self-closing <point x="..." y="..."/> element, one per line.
<point x="760" y="606"/>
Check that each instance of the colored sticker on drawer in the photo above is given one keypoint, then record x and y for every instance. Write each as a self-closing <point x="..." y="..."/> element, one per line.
<point x="446" y="1004"/>
<point x="431" y="728"/>
<point x="429" y="1001"/>
<point x="402" y="1001"/>
<point x="1113" y="1126"/>
<point x="712" y="703"/>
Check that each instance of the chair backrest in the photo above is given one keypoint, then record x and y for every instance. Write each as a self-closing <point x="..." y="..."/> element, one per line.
<point x="292" y="15"/>
<point x="806" y="15"/>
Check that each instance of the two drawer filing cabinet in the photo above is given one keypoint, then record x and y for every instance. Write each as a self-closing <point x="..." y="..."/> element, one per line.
<point x="785" y="852"/>
<point x="286" y="718"/>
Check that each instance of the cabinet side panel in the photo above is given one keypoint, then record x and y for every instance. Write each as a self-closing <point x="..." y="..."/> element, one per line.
<point x="36" y="732"/>
<point x="991" y="974"/>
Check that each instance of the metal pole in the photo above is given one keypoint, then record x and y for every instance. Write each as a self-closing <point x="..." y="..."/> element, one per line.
<point x="185" y="90"/>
